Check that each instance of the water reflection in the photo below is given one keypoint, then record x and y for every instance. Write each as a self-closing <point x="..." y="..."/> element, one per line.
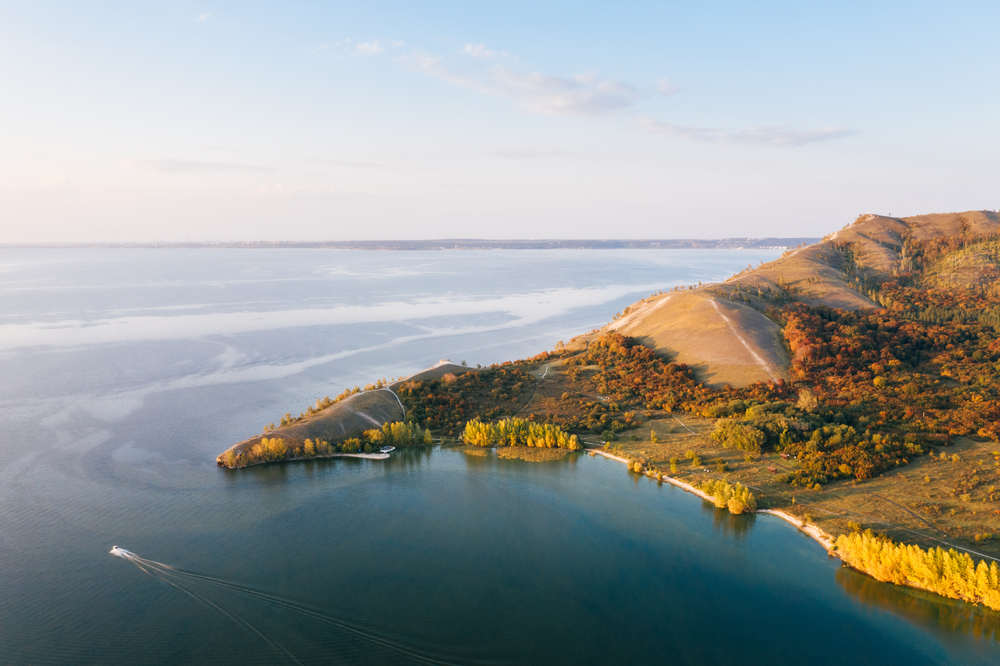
<point x="729" y="524"/>
<point x="922" y="608"/>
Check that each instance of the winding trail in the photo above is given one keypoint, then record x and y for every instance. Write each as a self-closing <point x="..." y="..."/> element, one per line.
<point x="739" y="337"/>
<point x="397" y="399"/>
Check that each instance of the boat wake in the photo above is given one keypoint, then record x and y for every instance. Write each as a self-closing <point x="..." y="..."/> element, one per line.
<point x="181" y="579"/>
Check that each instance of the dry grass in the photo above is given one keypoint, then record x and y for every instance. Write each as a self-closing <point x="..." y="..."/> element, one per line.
<point x="924" y="502"/>
<point x="708" y="334"/>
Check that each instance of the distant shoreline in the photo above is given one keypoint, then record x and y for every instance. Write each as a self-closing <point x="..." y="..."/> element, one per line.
<point x="453" y="244"/>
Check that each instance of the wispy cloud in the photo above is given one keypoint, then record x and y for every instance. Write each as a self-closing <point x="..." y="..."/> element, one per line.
<point x="350" y="163"/>
<point x="666" y="87"/>
<point x="189" y="166"/>
<point x="201" y="18"/>
<point x="349" y="47"/>
<point x="223" y="149"/>
<point x="497" y="74"/>
<point x="368" y="48"/>
<point x="769" y="136"/>
<point x="327" y="193"/>
<point x="527" y="154"/>
<point x="480" y="51"/>
<point x="582" y="95"/>
<point x="53" y="187"/>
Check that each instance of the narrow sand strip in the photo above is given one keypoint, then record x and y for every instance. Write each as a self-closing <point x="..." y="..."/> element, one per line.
<point x="816" y="533"/>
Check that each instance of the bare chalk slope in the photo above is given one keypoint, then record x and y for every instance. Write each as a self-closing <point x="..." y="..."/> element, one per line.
<point x="724" y="342"/>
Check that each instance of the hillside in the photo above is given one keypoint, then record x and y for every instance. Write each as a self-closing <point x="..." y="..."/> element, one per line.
<point x="350" y="416"/>
<point x="853" y="386"/>
<point x="722" y="331"/>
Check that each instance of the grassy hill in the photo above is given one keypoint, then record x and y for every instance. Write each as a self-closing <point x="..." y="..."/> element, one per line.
<point x="723" y="331"/>
<point x="352" y="415"/>
<point x="853" y="384"/>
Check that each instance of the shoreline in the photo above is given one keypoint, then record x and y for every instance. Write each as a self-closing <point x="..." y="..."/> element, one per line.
<point x="368" y="456"/>
<point x="823" y="538"/>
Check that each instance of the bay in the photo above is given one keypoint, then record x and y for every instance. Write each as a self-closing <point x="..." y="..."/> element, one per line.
<point x="126" y="371"/>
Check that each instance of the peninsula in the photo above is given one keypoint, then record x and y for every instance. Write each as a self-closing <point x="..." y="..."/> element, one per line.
<point x="851" y="386"/>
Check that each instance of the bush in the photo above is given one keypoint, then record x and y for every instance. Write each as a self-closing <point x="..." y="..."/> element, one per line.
<point x="737" y="499"/>
<point x="733" y="434"/>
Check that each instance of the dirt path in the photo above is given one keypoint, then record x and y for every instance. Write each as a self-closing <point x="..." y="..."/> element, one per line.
<point x="886" y="499"/>
<point x="760" y="361"/>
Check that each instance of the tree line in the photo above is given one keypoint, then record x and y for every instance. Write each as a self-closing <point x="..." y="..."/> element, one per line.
<point x="946" y="572"/>
<point x="519" y="432"/>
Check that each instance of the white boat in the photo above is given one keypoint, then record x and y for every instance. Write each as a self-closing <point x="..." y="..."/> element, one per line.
<point x="387" y="449"/>
<point x="119" y="552"/>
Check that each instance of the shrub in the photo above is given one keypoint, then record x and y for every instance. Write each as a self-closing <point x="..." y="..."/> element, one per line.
<point x="737" y="499"/>
<point x="733" y="434"/>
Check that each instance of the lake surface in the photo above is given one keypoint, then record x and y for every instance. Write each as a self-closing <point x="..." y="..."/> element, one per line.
<point x="126" y="371"/>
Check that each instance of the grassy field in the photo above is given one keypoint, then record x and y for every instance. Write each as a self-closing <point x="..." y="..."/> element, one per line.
<point x="928" y="502"/>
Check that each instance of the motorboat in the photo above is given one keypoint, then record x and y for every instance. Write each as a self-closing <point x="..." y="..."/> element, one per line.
<point x="387" y="449"/>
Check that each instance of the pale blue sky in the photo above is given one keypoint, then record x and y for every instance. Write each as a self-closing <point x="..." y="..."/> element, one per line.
<point x="131" y="121"/>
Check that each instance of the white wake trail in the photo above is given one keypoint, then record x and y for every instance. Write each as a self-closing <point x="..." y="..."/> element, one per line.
<point x="149" y="566"/>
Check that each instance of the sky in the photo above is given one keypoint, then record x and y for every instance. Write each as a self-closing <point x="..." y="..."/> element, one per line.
<point x="219" y="121"/>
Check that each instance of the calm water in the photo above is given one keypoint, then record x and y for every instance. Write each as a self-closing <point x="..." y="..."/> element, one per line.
<point x="126" y="372"/>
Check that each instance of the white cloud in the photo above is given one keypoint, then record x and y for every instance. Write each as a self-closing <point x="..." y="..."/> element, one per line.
<point x="188" y="166"/>
<point x="201" y="18"/>
<point x="368" y="48"/>
<point x="493" y="73"/>
<point x="53" y="187"/>
<point x="527" y="154"/>
<point x="349" y="47"/>
<point x="480" y="51"/>
<point x="328" y="193"/>
<point x="666" y="87"/>
<point x="769" y="136"/>
<point x="583" y="95"/>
